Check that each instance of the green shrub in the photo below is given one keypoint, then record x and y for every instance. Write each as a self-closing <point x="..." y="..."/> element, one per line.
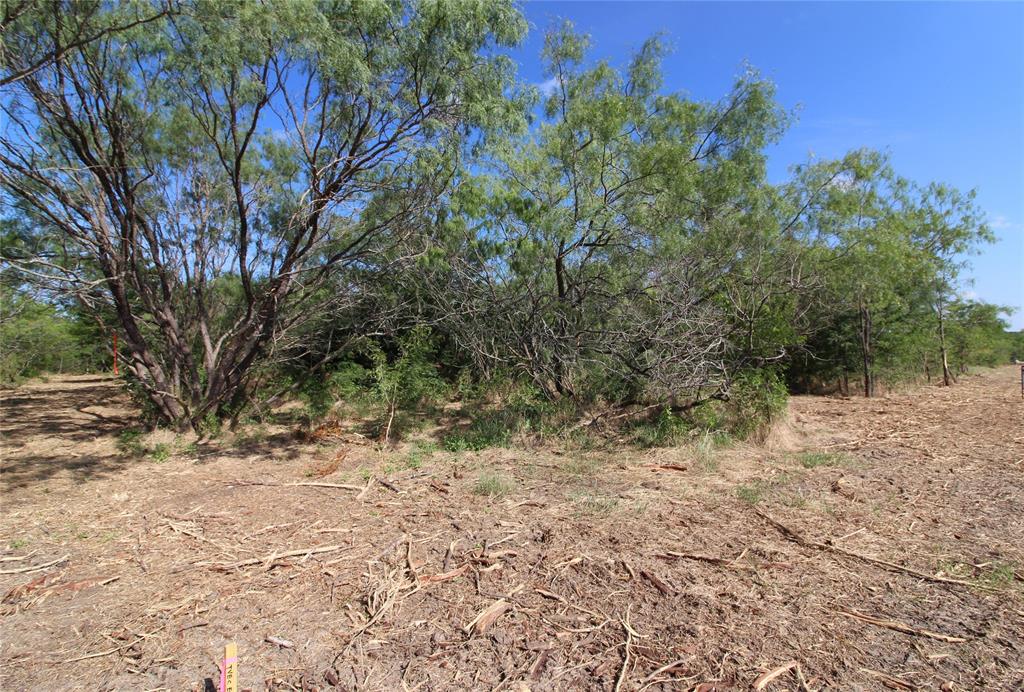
<point x="664" y="430"/>
<point x="160" y="453"/>
<point x="492" y="429"/>
<point x="130" y="442"/>
<point x="756" y="399"/>
<point x="406" y="380"/>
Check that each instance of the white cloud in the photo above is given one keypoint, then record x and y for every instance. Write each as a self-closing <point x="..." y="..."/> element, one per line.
<point x="548" y="86"/>
<point x="1001" y="223"/>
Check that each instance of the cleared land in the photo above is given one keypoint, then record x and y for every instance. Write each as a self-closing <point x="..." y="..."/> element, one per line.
<point x="871" y="544"/>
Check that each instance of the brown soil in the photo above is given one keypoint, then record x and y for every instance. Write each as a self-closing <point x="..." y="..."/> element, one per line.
<point x="159" y="563"/>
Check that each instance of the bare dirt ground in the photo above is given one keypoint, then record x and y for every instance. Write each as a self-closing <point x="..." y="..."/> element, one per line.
<point x="873" y="544"/>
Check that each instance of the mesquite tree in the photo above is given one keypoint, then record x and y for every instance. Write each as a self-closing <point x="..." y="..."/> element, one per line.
<point x="204" y="175"/>
<point x="588" y="260"/>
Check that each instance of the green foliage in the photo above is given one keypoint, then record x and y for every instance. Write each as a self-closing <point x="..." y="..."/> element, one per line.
<point x="419" y="453"/>
<point x="664" y="430"/>
<point x="492" y="429"/>
<point x="36" y="337"/>
<point x="522" y="410"/>
<point x="130" y="442"/>
<point x="399" y="222"/>
<point x="251" y="163"/>
<point x="756" y="399"/>
<point x="408" y="379"/>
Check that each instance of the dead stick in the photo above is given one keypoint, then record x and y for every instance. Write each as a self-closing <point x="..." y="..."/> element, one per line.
<point x="25" y="570"/>
<point x="807" y="543"/>
<point x="272" y="557"/>
<point x="339" y="486"/>
<point x="666" y="667"/>
<point x="900" y="627"/>
<point x="303" y="484"/>
<point x="625" y="661"/>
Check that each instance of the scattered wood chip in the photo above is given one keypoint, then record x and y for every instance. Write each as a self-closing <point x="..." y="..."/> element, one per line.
<point x="444" y="576"/>
<point x="550" y="594"/>
<point x="765" y="679"/>
<point x="538" y="666"/>
<point x="318" y="484"/>
<point x="699" y="558"/>
<point x="888" y="680"/>
<point x="487" y="617"/>
<point x="389" y="485"/>
<point x="22" y="590"/>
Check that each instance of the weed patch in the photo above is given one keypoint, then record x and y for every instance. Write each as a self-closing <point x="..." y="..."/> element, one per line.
<point x="492" y="485"/>
<point x="810" y="460"/>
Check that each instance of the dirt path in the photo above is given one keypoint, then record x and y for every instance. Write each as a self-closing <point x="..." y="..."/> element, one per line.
<point x="160" y="560"/>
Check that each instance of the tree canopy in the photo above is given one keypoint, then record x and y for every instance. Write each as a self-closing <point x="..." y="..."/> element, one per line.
<point x="258" y="195"/>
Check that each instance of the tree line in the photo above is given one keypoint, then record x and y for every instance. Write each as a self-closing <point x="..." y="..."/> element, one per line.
<point x="305" y="197"/>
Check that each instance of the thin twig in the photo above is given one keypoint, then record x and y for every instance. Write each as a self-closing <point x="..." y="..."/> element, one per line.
<point x="273" y="557"/>
<point x="900" y="627"/>
<point x="26" y="570"/>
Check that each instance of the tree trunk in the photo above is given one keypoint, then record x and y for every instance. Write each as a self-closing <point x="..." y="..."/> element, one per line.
<point x="865" y="349"/>
<point x="947" y="376"/>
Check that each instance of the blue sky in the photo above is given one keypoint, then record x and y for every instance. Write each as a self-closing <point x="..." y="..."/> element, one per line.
<point x="940" y="86"/>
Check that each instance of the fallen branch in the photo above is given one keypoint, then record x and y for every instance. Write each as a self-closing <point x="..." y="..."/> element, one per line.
<point x="26" y="570"/>
<point x="719" y="561"/>
<point x="798" y="538"/>
<point x="900" y="627"/>
<point x="302" y="484"/>
<point x="269" y="559"/>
